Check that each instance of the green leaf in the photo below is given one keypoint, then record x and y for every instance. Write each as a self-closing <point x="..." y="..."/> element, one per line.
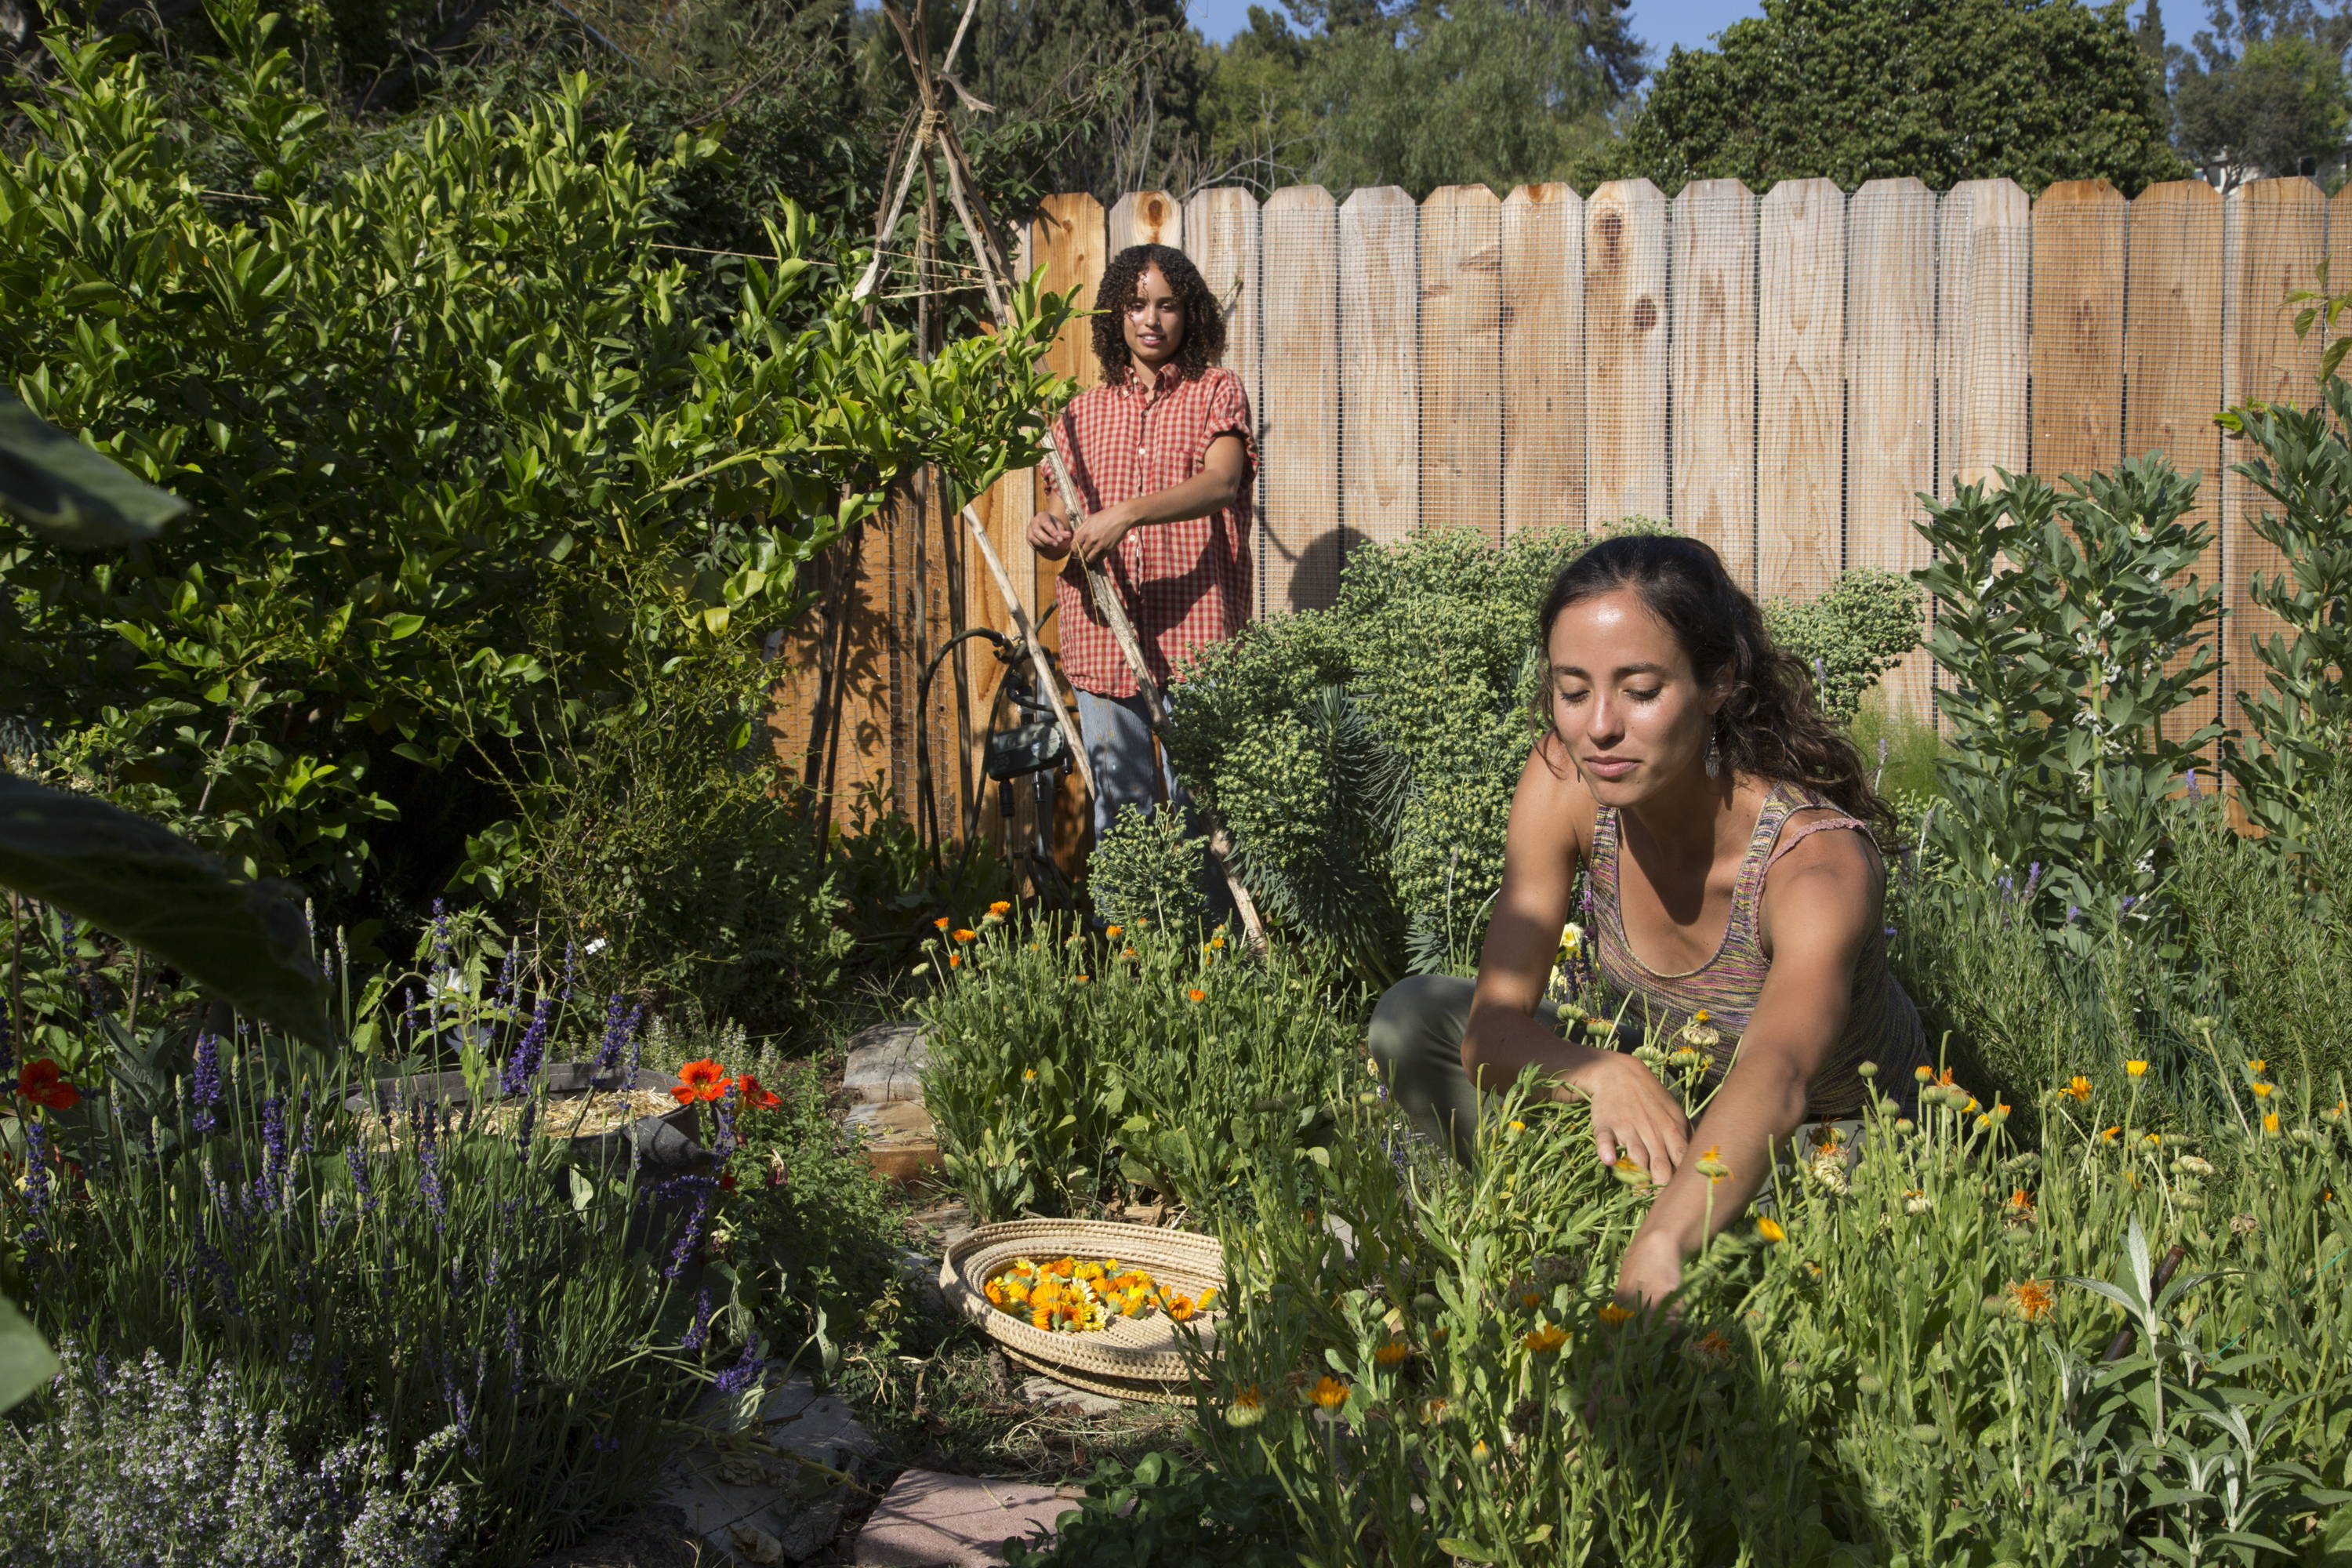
<point x="26" y="1360"/>
<point x="69" y="493"/>
<point x="1469" y="1552"/>
<point x="156" y="890"/>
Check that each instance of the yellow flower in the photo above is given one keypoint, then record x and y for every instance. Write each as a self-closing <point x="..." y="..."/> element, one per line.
<point x="2262" y="1090"/>
<point x="1518" y="1127"/>
<point x="2079" y="1087"/>
<point x="2153" y="1138"/>
<point x="1700" y="1016"/>
<point x="2258" y="1067"/>
<point x="1392" y="1352"/>
<point x="1480" y="1452"/>
<point x="1112" y="931"/>
<point x="1128" y="953"/>
<point x="2137" y="1067"/>
<point x="2109" y="1135"/>
<point x="1028" y="1075"/>
<point x="1330" y="1393"/>
<point x="1544" y="1338"/>
<point x="1770" y="1230"/>
<point x="1613" y="1313"/>
<point x="1207" y="1297"/>
<point x="2031" y="1298"/>
<point x="1000" y="909"/>
<point x="2270" y="1121"/>
<point x="1217" y="940"/>
<point x="1197" y="994"/>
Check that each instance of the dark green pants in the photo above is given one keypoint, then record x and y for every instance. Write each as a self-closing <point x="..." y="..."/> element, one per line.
<point x="1417" y="1039"/>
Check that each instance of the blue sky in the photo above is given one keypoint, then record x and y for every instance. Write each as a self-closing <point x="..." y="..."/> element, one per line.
<point x="1660" y="22"/>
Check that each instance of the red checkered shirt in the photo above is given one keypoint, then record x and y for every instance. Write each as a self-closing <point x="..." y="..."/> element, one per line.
<point x="1184" y="585"/>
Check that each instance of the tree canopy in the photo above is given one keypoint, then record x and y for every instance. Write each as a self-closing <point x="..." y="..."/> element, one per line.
<point x="2261" y="91"/>
<point x="2037" y="90"/>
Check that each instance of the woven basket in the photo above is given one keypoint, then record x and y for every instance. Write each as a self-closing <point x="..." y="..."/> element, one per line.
<point x="1133" y="1358"/>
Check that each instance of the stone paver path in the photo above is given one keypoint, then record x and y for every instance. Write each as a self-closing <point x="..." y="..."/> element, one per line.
<point x="934" y="1521"/>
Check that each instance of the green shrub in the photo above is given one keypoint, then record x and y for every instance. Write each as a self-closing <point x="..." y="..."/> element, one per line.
<point x="2070" y="630"/>
<point x="1068" y="1071"/>
<point x="1850" y="635"/>
<point x="1364" y="756"/>
<point x="1147" y="868"/>
<point x="1916" y="1371"/>
<point x="462" y="460"/>
<point x="2302" y="718"/>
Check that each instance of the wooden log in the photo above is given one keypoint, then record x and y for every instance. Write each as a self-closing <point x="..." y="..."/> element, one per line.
<point x="2172" y="365"/>
<point x="1221" y="236"/>
<point x="1299" y="494"/>
<point x="1891" y="398"/>
<point x="2079" y="235"/>
<point x="1713" y="357"/>
<point x="1982" y="352"/>
<point x="1625" y="352"/>
<point x="1800" y="390"/>
<point x="1379" y="380"/>
<point x="1462" y="360"/>
<point x="2274" y="231"/>
<point x="1543" y="358"/>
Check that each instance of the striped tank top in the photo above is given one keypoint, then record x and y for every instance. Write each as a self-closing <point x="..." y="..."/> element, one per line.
<point x="1881" y="1025"/>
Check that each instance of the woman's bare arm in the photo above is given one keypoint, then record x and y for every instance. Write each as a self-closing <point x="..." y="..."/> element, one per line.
<point x="1822" y="900"/>
<point x="1550" y="832"/>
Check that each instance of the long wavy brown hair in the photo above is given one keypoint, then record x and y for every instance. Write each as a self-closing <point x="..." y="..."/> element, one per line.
<point x="1205" y="323"/>
<point x="1770" y="726"/>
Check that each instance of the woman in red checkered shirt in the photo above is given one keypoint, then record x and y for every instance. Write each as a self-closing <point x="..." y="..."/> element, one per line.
<point x="1161" y="453"/>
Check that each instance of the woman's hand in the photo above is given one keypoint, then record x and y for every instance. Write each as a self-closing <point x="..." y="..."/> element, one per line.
<point x="1633" y="1116"/>
<point x="1652" y="1270"/>
<point x="1049" y="536"/>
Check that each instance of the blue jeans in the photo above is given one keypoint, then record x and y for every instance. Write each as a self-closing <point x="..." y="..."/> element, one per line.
<point x="1120" y="748"/>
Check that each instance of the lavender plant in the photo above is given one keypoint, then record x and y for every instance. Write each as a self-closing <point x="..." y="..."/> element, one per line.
<point x="139" y="1464"/>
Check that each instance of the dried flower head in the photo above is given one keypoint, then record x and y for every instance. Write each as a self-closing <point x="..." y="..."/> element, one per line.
<point x="2031" y="1298"/>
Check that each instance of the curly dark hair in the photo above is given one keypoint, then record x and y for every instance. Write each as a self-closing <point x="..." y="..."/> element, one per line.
<point x="1204" y="324"/>
<point x="1770" y="726"/>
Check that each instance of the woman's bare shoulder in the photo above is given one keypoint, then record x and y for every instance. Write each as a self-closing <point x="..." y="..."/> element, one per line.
<point x="1553" y="802"/>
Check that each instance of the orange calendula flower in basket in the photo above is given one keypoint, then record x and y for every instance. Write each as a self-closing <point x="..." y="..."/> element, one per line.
<point x="1613" y="1313"/>
<point x="2079" y="1087"/>
<point x="45" y="1083"/>
<point x="705" y="1079"/>
<point x="2031" y="1298"/>
<point x="1544" y="1338"/>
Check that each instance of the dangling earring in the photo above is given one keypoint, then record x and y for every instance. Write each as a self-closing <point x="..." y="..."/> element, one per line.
<point x="1714" y="752"/>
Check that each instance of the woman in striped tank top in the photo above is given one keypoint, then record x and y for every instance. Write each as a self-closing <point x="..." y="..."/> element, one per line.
<point x="1728" y="831"/>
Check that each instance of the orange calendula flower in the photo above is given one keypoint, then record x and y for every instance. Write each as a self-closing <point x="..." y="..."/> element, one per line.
<point x="1000" y="909"/>
<point x="1128" y="953"/>
<point x="2079" y="1087"/>
<point x="1770" y="1230"/>
<point x="2258" y="1067"/>
<point x="1330" y="1392"/>
<point x="705" y="1079"/>
<point x="1711" y="1165"/>
<point x="1627" y="1172"/>
<point x="2270" y="1121"/>
<point x="1218" y="941"/>
<point x="1611" y="1312"/>
<point x="965" y="933"/>
<point x="1247" y="1409"/>
<point x="2022" y="1200"/>
<point x="2137" y="1067"/>
<point x="2263" y="1090"/>
<point x="1712" y="1348"/>
<point x="2031" y="1298"/>
<point x="955" y="960"/>
<point x="941" y="922"/>
<point x="1197" y="994"/>
<point x="1390" y="1353"/>
<point x="1544" y="1338"/>
<point x="1113" y="932"/>
<point x="1529" y="1297"/>
<point x="2110" y="1134"/>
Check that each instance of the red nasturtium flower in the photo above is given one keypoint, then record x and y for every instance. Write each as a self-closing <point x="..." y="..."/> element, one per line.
<point x="705" y="1079"/>
<point x="43" y="1083"/>
<point x="757" y="1094"/>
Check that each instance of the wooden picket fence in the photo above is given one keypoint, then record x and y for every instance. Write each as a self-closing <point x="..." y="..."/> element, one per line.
<point x="1780" y="375"/>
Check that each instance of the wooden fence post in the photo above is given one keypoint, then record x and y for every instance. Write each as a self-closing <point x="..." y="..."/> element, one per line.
<point x="1625" y="352"/>
<point x="2079" y="235"/>
<point x="1461" y="338"/>
<point x="1985" y="241"/>
<point x="1890" y="334"/>
<point x="1380" y="364"/>
<point x="1299" y="491"/>
<point x="1713" y="366"/>
<point x="1543" y="358"/>
<point x="1800" y="390"/>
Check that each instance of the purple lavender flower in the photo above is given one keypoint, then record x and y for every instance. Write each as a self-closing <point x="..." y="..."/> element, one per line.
<point x="507" y="973"/>
<point x="2033" y="875"/>
<point x="523" y="1127"/>
<point x="362" y="1177"/>
<point x="208" y="1088"/>
<point x="2192" y="784"/>
<point x="697" y="1331"/>
<point x="36" y="1165"/>
<point x="514" y="1353"/>
<point x="441" y="930"/>
<point x="636" y="1040"/>
<point x="724" y="1115"/>
<point x="691" y="1238"/>
<point x="746" y="1371"/>
<point x="2124" y="907"/>
<point x="523" y="1066"/>
<point x="570" y="966"/>
<point x="436" y="1198"/>
<point x="269" y="1186"/>
<point x="608" y="1055"/>
<point x="2072" y="911"/>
